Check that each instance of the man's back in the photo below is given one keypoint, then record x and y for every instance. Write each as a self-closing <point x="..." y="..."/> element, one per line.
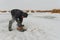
<point x="16" y="13"/>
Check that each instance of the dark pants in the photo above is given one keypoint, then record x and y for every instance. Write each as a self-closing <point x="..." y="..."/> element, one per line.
<point x="18" y="20"/>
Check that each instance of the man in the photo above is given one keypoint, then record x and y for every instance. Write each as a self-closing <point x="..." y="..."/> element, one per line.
<point x="17" y="15"/>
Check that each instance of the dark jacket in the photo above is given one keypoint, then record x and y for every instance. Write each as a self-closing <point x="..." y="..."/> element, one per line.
<point x="17" y="13"/>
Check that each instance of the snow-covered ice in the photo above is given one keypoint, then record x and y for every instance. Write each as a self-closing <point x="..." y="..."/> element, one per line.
<point x="40" y="26"/>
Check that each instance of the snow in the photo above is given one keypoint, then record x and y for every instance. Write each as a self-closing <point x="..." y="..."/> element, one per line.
<point x="40" y="26"/>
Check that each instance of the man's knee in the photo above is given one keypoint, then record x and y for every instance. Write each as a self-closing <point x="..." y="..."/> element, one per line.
<point x="10" y="21"/>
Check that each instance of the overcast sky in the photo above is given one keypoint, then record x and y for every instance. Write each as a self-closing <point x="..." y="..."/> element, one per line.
<point x="29" y="4"/>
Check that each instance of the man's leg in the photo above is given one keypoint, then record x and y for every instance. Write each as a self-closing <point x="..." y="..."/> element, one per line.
<point x="20" y="26"/>
<point x="19" y="22"/>
<point x="10" y="24"/>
